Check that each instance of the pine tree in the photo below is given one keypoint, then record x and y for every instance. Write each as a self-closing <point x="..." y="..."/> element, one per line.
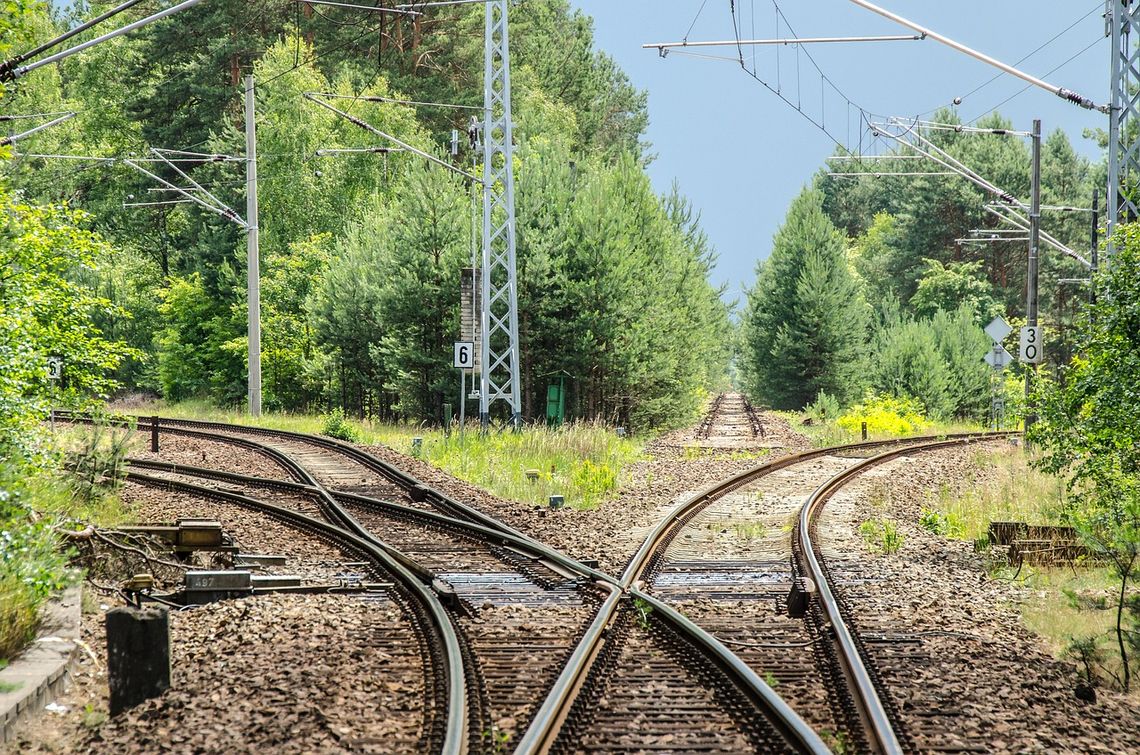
<point x="806" y="323"/>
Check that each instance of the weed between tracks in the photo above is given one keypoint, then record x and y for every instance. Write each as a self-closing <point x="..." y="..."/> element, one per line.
<point x="583" y="462"/>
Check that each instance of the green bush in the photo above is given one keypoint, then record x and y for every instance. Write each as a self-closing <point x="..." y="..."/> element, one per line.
<point x="825" y="408"/>
<point x="934" y="521"/>
<point x="31" y="567"/>
<point x="336" y="426"/>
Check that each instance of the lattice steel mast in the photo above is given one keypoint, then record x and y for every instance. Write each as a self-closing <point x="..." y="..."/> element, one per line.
<point x="1124" y="119"/>
<point x="499" y="364"/>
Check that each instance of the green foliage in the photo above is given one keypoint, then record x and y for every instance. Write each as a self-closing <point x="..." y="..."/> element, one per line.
<point x="595" y="481"/>
<point x="825" y="408"/>
<point x="934" y="522"/>
<point x="361" y="253"/>
<point x="584" y="462"/>
<point x="957" y="285"/>
<point x="644" y="609"/>
<point x="904" y="229"/>
<point x="197" y="353"/>
<point x="46" y="308"/>
<point x="31" y="564"/>
<point x="805" y="326"/>
<point x="936" y="361"/>
<point x="336" y="426"/>
<point x="882" y="534"/>
<point x="908" y="365"/>
<point x="98" y="461"/>
<point x="1088" y="429"/>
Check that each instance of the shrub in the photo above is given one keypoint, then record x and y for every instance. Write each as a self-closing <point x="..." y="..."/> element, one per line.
<point x="934" y="521"/>
<point x="593" y="481"/>
<point x="336" y="426"/>
<point x="824" y="409"/>
<point x="31" y="568"/>
<point x="885" y="415"/>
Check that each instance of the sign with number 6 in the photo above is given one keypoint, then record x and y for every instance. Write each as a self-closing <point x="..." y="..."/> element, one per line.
<point x="465" y="355"/>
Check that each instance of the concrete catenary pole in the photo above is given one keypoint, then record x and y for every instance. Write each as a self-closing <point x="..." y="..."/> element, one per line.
<point x="1031" y="277"/>
<point x="253" y="265"/>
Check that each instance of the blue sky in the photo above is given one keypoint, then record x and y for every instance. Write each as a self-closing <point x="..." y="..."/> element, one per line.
<point x="741" y="154"/>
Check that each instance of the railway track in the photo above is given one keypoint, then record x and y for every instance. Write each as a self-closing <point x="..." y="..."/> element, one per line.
<point x="641" y="675"/>
<point x="445" y="711"/>
<point x="730" y="419"/>
<point x="741" y="595"/>
<point x="515" y="602"/>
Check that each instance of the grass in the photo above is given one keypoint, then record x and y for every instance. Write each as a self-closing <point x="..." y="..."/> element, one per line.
<point x="1066" y="605"/>
<point x="1012" y="491"/>
<point x="830" y="433"/>
<point x="34" y="505"/>
<point x="19" y="618"/>
<point x="1063" y="604"/>
<point x="750" y="530"/>
<point x="694" y="453"/>
<point x="882" y="534"/>
<point x="584" y="462"/>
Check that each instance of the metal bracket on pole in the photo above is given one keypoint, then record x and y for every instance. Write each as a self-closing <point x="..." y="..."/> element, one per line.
<point x="6" y="140"/>
<point x="402" y="144"/>
<point x="499" y="318"/>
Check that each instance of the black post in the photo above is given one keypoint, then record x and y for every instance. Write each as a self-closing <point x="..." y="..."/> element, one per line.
<point x="864" y="431"/>
<point x="154" y="435"/>
<point x="138" y="655"/>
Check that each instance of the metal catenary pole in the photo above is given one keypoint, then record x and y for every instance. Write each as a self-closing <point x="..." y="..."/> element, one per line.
<point x="499" y="317"/>
<point x="253" y="263"/>
<point x="1031" y="279"/>
<point x="1124" y="116"/>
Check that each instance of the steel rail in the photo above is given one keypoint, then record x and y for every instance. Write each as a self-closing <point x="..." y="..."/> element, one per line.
<point x="877" y="722"/>
<point x="386" y="470"/>
<point x="456" y="729"/>
<point x="533" y="548"/>
<point x="331" y="509"/>
<point x="543" y="731"/>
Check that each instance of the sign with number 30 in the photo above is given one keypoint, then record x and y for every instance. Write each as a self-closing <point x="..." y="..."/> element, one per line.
<point x="1031" y="344"/>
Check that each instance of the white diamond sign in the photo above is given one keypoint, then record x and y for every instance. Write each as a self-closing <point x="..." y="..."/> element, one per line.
<point x="998" y="329"/>
<point x="998" y="357"/>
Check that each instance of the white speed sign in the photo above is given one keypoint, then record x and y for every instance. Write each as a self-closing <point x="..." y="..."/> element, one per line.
<point x="1031" y="346"/>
